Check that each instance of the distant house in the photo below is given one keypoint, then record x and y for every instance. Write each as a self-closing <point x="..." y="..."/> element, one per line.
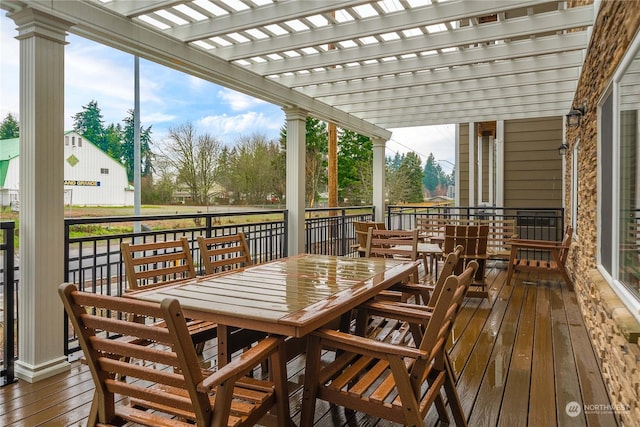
<point x="91" y="177"/>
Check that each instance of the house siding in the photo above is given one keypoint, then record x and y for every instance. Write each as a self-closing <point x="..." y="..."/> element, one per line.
<point x="463" y="164"/>
<point x="532" y="166"/>
<point x="611" y="326"/>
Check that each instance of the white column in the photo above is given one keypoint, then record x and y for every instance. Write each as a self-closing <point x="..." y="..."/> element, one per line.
<point x="472" y="165"/>
<point x="42" y="40"/>
<point x="499" y="163"/>
<point x="479" y="157"/>
<point x="296" y="150"/>
<point x="491" y="174"/>
<point x="457" y="167"/>
<point x="379" y="189"/>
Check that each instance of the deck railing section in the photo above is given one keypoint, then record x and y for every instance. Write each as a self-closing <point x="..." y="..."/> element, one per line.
<point x="9" y="303"/>
<point x="531" y="223"/>
<point x="94" y="261"/>
<point x="330" y="231"/>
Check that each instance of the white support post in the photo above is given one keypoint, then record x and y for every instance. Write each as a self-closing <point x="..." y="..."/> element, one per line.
<point x="479" y="158"/>
<point x="491" y="174"/>
<point x="472" y="165"/>
<point x="296" y="149"/>
<point x="499" y="163"/>
<point x="42" y="40"/>
<point x="378" y="177"/>
<point x="457" y="167"/>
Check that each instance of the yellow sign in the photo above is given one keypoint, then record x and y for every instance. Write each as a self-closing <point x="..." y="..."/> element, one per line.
<point x="83" y="183"/>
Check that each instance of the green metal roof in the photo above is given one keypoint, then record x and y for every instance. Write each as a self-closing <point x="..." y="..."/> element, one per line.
<point x="9" y="149"/>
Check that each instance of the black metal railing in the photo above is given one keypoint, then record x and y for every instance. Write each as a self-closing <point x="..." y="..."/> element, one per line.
<point x="92" y="245"/>
<point x="531" y="223"/>
<point x="94" y="261"/>
<point x="330" y="231"/>
<point x="9" y="303"/>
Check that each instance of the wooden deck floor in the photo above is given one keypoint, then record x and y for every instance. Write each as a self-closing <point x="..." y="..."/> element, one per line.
<point x="522" y="359"/>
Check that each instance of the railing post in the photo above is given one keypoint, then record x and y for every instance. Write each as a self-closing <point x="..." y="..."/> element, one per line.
<point x="286" y="233"/>
<point x="343" y="233"/>
<point x="8" y="375"/>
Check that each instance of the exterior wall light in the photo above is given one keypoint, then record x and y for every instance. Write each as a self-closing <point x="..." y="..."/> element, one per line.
<point x="562" y="150"/>
<point x="573" y="118"/>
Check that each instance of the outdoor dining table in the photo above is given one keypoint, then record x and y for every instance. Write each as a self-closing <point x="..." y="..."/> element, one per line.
<point x="291" y="296"/>
<point x="432" y="250"/>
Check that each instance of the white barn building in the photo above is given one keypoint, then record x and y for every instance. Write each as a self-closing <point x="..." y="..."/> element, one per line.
<point x="91" y="177"/>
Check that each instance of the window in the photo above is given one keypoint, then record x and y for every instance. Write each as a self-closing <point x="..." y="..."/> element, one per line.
<point x="619" y="184"/>
<point x="104" y="171"/>
<point x="628" y="188"/>
<point x="73" y="141"/>
<point x="66" y="140"/>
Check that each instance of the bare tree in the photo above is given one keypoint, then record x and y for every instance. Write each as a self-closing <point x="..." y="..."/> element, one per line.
<point x="253" y="173"/>
<point x="194" y="157"/>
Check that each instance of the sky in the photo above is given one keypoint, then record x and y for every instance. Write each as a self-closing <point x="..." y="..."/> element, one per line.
<point x="170" y="98"/>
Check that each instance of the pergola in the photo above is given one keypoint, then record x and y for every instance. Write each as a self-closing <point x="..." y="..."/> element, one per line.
<point x="364" y="65"/>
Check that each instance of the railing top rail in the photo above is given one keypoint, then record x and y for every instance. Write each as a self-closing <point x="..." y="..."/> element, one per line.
<point x="7" y="224"/>
<point x="339" y="208"/>
<point x="131" y="218"/>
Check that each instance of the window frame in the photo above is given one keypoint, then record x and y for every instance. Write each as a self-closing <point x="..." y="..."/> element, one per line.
<point x="631" y="301"/>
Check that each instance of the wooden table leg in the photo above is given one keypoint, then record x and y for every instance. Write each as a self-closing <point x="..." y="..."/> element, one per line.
<point x="223" y="345"/>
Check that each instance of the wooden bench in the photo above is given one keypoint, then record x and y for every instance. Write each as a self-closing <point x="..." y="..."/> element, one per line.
<point x="168" y="387"/>
<point x="501" y="230"/>
<point x="558" y="252"/>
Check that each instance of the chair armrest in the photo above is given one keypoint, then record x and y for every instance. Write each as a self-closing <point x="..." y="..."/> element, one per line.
<point x="400" y="309"/>
<point x="412" y="287"/>
<point x="241" y="365"/>
<point x="534" y="244"/>
<point x="366" y="346"/>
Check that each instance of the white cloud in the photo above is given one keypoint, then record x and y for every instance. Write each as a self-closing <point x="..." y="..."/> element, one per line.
<point x="156" y="117"/>
<point x="238" y="101"/>
<point x="229" y="127"/>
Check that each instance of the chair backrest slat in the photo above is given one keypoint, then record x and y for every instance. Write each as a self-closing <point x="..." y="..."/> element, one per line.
<point x="448" y="268"/>
<point x="472" y="237"/>
<point x="392" y="243"/>
<point x="224" y="253"/>
<point x="157" y="262"/>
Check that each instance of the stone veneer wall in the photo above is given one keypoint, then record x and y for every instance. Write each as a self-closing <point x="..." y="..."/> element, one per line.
<point x="612" y="328"/>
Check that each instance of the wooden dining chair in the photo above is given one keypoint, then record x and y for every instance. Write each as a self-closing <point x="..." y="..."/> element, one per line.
<point x="361" y="229"/>
<point x="473" y="238"/>
<point x="157" y="263"/>
<point x="224" y="253"/>
<point x="415" y="315"/>
<point x="220" y="254"/>
<point x="395" y="382"/>
<point x="392" y="244"/>
<point x="167" y="387"/>
<point x="163" y="263"/>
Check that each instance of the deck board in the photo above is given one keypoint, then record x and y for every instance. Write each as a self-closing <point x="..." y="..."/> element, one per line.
<point x="520" y="357"/>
